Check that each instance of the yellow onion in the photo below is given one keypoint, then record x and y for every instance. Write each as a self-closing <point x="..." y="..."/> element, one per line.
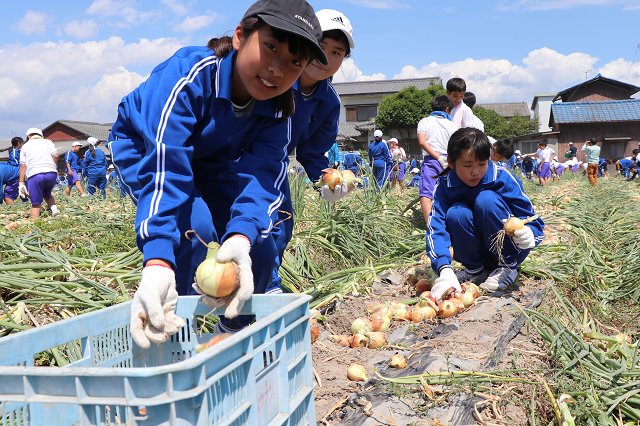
<point x="361" y="326"/>
<point x="341" y="339"/>
<point x="398" y="361"/>
<point x="376" y="339"/>
<point x="350" y="178"/>
<point x="621" y="339"/>
<point x="423" y="285"/>
<point x="458" y="303"/>
<point x="423" y="313"/>
<point x="426" y="299"/>
<point x="447" y="309"/>
<point x="358" y="341"/>
<point x="512" y="225"/>
<point x="412" y="279"/>
<point x="402" y="314"/>
<point x="217" y="279"/>
<point x="331" y="178"/>
<point x="357" y="373"/>
<point x="314" y="330"/>
<point x="380" y="322"/>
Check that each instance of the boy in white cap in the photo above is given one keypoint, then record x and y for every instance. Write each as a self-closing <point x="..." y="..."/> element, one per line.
<point x="38" y="164"/>
<point x="73" y="168"/>
<point x="380" y="159"/>
<point x="95" y="164"/>
<point x="415" y="180"/>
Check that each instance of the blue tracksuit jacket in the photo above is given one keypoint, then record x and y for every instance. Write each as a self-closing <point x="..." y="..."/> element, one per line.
<point x="96" y="170"/>
<point x="8" y="174"/>
<point x="380" y="160"/>
<point x="352" y="161"/>
<point x="73" y="160"/>
<point x="624" y="166"/>
<point x="498" y="196"/>
<point x="188" y="163"/>
<point x="334" y="154"/>
<point x="14" y="158"/>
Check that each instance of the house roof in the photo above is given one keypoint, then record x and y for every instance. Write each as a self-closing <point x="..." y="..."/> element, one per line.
<point x="97" y="130"/>
<point x="566" y="94"/>
<point x="594" y="112"/>
<point x="541" y="95"/>
<point x="64" y="146"/>
<point x="383" y="87"/>
<point x="508" y="109"/>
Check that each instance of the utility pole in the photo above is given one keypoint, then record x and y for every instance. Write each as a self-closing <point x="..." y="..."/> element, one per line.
<point x="586" y="73"/>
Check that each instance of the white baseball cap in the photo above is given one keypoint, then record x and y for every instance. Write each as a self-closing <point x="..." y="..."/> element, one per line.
<point x="393" y="140"/>
<point x="334" y="20"/>
<point x="517" y="151"/>
<point x="111" y="166"/>
<point x="570" y="143"/>
<point x="76" y="143"/>
<point x="34" y="131"/>
<point x="93" y="141"/>
<point x="415" y="170"/>
<point x="377" y="134"/>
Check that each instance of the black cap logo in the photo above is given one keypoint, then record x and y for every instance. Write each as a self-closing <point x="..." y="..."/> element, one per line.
<point x="338" y="19"/>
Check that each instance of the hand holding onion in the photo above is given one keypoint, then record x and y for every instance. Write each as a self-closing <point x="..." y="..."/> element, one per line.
<point x="217" y="279"/>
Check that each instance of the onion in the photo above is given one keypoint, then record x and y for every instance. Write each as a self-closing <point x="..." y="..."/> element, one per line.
<point x="399" y="306"/>
<point x="351" y="179"/>
<point x="417" y="316"/>
<point x="447" y="309"/>
<point x="361" y="326"/>
<point x="314" y="333"/>
<point x="331" y="178"/>
<point x="215" y="339"/>
<point x="412" y="279"/>
<point x="426" y="299"/>
<point x="376" y="340"/>
<point x="398" y="361"/>
<point x="357" y="373"/>
<point x="621" y="339"/>
<point x="380" y="322"/>
<point x="423" y="285"/>
<point x="217" y="279"/>
<point x="512" y="225"/>
<point x="458" y="304"/>
<point x="427" y="312"/>
<point x="341" y="340"/>
<point x="402" y="314"/>
<point x="358" y="341"/>
<point x="467" y="299"/>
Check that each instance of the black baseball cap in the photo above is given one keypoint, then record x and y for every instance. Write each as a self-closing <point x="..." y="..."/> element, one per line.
<point x="293" y="16"/>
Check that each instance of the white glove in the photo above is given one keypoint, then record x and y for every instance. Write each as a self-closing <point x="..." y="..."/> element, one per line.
<point x="153" y="316"/>
<point x="338" y="193"/>
<point x="444" y="282"/>
<point x="22" y="190"/>
<point x="524" y="238"/>
<point x="234" y="249"/>
<point x="443" y="162"/>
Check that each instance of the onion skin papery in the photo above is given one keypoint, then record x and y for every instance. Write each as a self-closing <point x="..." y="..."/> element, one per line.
<point x="217" y="279"/>
<point x="512" y="225"/>
<point x="458" y="304"/>
<point x="447" y="309"/>
<point x="358" y="341"/>
<point x="402" y="314"/>
<point x="398" y="361"/>
<point x="423" y="285"/>
<point x="426" y="299"/>
<point x="341" y="340"/>
<point x="424" y="312"/>
<point x="380" y="322"/>
<point x="331" y="178"/>
<point x="376" y="340"/>
<point x="361" y="326"/>
<point x="351" y="179"/>
<point x="357" y="373"/>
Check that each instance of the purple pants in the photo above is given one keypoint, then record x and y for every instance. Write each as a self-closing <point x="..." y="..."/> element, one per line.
<point x="72" y="178"/>
<point x="545" y="170"/>
<point x="401" y="167"/>
<point x="11" y="189"/>
<point x="40" y="186"/>
<point x="559" y="168"/>
<point x="430" y="169"/>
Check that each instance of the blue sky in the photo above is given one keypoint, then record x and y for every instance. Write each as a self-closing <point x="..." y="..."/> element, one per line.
<point x="76" y="59"/>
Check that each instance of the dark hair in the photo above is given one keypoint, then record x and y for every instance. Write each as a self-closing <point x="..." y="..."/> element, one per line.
<point x="635" y="151"/>
<point x="16" y="140"/>
<point x="504" y="147"/>
<point x="441" y="103"/>
<point x="297" y="46"/>
<point x="593" y="141"/>
<point x="469" y="99"/>
<point x="464" y="139"/>
<point x="526" y="159"/>
<point x="456" y="84"/>
<point x="340" y="37"/>
<point x="93" y="150"/>
<point x="543" y="143"/>
<point x="349" y="147"/>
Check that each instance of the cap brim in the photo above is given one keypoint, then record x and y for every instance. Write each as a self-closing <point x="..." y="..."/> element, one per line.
<point x="290" y="28"/>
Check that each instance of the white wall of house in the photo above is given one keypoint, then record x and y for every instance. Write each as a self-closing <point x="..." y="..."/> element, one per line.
<point x="356" y="100"/>
<point x="542" y="109"/>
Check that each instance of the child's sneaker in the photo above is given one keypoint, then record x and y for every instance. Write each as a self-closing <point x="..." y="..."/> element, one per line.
<point x="465" y="276"/>
<point x="500" y="279"/>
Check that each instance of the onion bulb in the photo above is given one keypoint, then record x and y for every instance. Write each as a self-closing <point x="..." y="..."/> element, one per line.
<point x="380" y="322"/>
<point x="314" y="333"/>
<point x="376" y="340"/>
<point x="424" y="312"/>
<point x="361" y="326"/>
<point x="358" y="341"/>
<point x="447" y="309"/>
<point x="458" y="304"/>
<point x="217" y="279"/>
<point x="331" y="178"/>
<point x="398" y="361"/>
<point x="357" y="373"/>
<point x="412" y="279"/>
<point x="215" y="339"/>
<point x="426" y="299"/>
<point x="402" y="314"/>
<point x="514" y="224"/>
<point x="350" y="179"/>
<point x="342" y="340"/>
<point x="423" y="285"/>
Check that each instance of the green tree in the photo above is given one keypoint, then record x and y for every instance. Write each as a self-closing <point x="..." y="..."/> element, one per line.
<point x="402" y="111"/>
<point x="497" y="126"/>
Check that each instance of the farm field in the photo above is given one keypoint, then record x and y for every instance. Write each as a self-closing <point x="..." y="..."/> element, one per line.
<point x="542" y="352"/>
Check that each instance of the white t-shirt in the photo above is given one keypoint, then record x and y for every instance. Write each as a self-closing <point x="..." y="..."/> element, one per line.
<point x="545" y="154"/>
<point x="397" y="154"/>
<point x="438" y="131"/>
<point x="554" y="163"/>
<point x="36" y="154"/>
<point x="638" y="158"/>
<point x="463" y="116"/>
<point x="476" y="123"/>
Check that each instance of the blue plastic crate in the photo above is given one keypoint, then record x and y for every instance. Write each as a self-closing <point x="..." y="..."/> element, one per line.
<point x="261" y="376"/>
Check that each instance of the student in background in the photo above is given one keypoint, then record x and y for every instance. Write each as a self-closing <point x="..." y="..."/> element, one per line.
<point x="513" y="162"/>
<point x="470" y="100"/>
<point x="14" y="155"/>
<point x="461" y="114"/>
<point x="623" y="165"/>
<point x="415" y="179"/>
<point x="9" y="183"/>
<point x="527" y="167"/>
<point x="380" y="159"/>
<point x="73" y="169"/>
<point x="95" y="163"/>
<point x="592" y="152"/>
<point x="334" y="156"/>
<point x="351" y="160"/>
<point x="544" y="155"/>
<point x="602" y="167"/>
<point x="501" y="150"/>
<point x="433" y="136"/>
<point x="472" y="198"/>
<point x="398" y="158"/>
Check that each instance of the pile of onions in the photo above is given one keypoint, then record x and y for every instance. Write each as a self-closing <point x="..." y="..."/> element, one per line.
<point x="331" y="178"/>
<point x="217" y="279"/>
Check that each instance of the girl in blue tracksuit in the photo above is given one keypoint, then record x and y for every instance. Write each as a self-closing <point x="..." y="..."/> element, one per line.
<point x="314" y="126"/>
<point x="471" y="199"/>
<point x="380" y="159"/>
<point x="73" y="165"/>
<point x="14" y="155"/>
<point x="202" y="145"/>
<point x="351" y="160"/>
<point x="95" y="163"/>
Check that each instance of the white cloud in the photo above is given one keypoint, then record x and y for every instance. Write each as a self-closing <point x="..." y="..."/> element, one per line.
<point x="37" y="88"/>
<point x="380" y="4"/>
<point x="349" y="71"/>
<point x="33" y="22"/>
<point x="194" y="23"/>
<point x="564" y="4"/>
<point x="84" y="29"/>
<point x="122" y="9"/>
<point x="175" y="6"/>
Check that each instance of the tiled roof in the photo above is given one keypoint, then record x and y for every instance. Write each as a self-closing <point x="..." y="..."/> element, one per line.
<point x="508" y="109"/>
<point x="592" y="112"/>
<point x="381" y="87"/>
<point x="97" y="130"/>
<point x="632" y="89"/>
<point x="348" y="130"/>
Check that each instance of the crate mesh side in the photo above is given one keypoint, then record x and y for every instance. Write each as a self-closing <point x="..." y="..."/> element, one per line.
<point x="110" y="345"/>
<point x="17" y="417"/>
<point x="300" y="416"/>
<point x="226" y="395"/>
<point x="295" y="343"/>
<point x="297" y="379"/>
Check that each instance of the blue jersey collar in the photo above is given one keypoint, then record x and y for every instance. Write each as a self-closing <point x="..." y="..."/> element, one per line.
<point x="490" y="176"/>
